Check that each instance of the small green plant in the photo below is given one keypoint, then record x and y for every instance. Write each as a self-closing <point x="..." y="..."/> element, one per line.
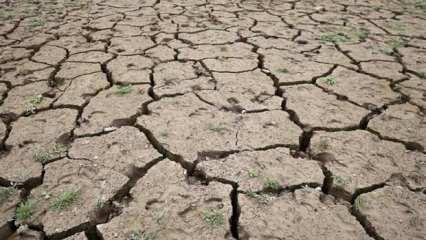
<point x="363" y="34"/>
<point x="25" y="210"/>
<point x="99" y="204"/>
<point x="282" y="70"/>
<point x="45" y="195"/>
<point x="338" y="180"/>
<point x="252" y="173"/>
<point x="330" y="80"/>
<point x="334" y="38"/>
<point x="397" y="26"/>
<point x="65" y="200"/>
<point x="259" y="197"/>
<point x="387" y="51"/>
<point x="36" y="100"/>
<point x="5" y="193"/>
<point x="421" y="4"/>
<point x="36" y="23"/>
<point x="271" y="184"/>
<point x="149" y="235"/>
<point x="124" y="89"/>
<point x="396" y="43"/>
<point x="252" y="194"/>
<point x="422" y="75"/>
<point x="138" y="235"/>
<point x="359" y="203"/>
<point x="59" y="81"/>
<point x="32" y="103"/>
<point x="135" y="235"/>
<point x="42" y="156"/>
<point x="414" y="218"/>
<point x="217" y="128"/>
<point x="59" y="149"/>
<point x="214" y="218"/>
<point x="5" y="15"/>
<point x="45" y="155"/>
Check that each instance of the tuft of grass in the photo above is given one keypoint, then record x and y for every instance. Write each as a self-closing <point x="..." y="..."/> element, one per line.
<point x="396" y="43"/>
<point x="252" y="173"/>
<point x="36" y="100"/>
<point x="124" y="89"/>
<point x="330" y="80"/>
<point x="36" y="23"/>
<point x="5" y="193"/>
<point x="334" y="38"/>
<point x="45" y="155"/>
<point x="393" y="45"/>
<point x="359" y="203"/>
<point x="135" y="235"/>
<point x="42" y="156"/>
<point x="396" y="26"/>
<point x="5" y="15"/>
<point x="65" y="200"/>
<point x="45" y="195"/>
<point x="59" y="82"/>
<point x="25" y="210"/>
<point x="252" y="194"/>
<point x="386" y="51"/>
<point x="159" y="215"/>
<point x="271" y="184"/>
<point x="259" y="197"/>
<point x="150" y="235"/>
<point x="99" y="204"/>
<point x="282" y="70"/>
<point x="214" y="218"/>
<point x="414" y="218"/>
<point x="420" y="4"/>
<point x="59" y="149"/>
<point x="363" y="34"/>
<point x="217" y="128"/>
<point x="138" y="235"/>
<point x="422" y="75"/>
<point x="32" y="103"/>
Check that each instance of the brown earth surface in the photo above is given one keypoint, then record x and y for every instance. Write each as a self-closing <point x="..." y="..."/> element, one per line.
<point x="212" y="119"/>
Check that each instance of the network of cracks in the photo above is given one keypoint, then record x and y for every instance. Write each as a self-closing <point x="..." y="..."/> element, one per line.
<point x="212" y="119"/>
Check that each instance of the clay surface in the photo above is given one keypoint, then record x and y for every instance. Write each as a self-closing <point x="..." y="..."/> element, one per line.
<point x="359" y="159"/>
<point x="303" y="215"/>
<point x="9" y="198"/>
<point x="406" y="209"/>
<point x="405" y="122"/>
<point x="90" y="184"/>
<point x="165" y="206"/>
<point x="252" y="170"/>
<point x="120" y="150"/>
<point x="317" y="108"/>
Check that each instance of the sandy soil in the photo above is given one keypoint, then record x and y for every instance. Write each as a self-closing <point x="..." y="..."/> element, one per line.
<point x="213" y="119"/>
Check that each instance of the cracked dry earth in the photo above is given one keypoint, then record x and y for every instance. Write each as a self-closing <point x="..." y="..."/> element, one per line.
<point x="213" y="119"/>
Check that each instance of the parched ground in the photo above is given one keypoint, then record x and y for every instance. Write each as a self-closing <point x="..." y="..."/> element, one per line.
<point x="213" y="119"/>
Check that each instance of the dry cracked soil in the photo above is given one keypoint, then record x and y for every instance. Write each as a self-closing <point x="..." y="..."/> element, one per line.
<point x="212" y="119"/>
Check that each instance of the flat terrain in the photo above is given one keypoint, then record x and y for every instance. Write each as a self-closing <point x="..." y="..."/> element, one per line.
<point x="213" y="119"/>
